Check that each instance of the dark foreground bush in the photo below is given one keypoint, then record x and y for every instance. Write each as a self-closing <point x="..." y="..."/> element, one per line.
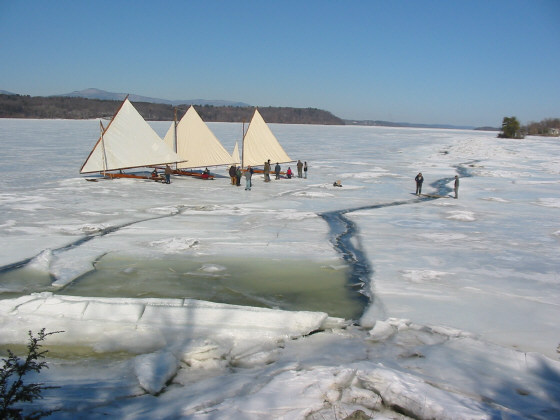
<point x="13" y="390"/>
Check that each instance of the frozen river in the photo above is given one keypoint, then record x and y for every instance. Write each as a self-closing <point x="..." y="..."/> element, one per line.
<point x="424" y="296"/>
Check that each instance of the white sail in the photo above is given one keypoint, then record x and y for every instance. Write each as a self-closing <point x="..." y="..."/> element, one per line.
<point x="235" y="155"/>
<point x="196" y="144"/>
<point x="128" y="142"/>
<point x="259" y="144"/>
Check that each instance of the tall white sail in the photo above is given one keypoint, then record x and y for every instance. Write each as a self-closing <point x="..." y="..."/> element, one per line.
<point x="196" y="144"/>
<point x="259" y="144"/>
<point x="235" y="155"/>
<point x="128" y="142"/>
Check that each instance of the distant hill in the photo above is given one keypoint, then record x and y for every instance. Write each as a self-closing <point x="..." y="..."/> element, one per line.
<point x="403" y="124"/>
<point x="67" y="107"/>
<point x="84" y="106"/>
<point x="93" y="93"/>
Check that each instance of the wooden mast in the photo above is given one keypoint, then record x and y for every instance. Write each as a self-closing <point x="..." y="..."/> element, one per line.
<point x="175" y="137"/>
<point x="242" y="144"/>
<point x="103" y="148"/>
<point x="103" y="131"/>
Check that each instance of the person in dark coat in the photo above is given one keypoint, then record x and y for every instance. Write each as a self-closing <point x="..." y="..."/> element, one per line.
<point x="238" y="176"/>
<point x="232" y="174"/>
<point x="305" y="169"/>
<point x="456" y="186"/>
<point x="267" y="171"/>
<point x="299" y="169"/>
<point x="277" y="170"/>
<point x="419" y="179"/>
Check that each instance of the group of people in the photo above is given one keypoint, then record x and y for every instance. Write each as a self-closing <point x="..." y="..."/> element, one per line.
<point x="235" y="173"/>
<point x="420" y="179"/>
<point x="301" y="168"/>
<point x="166" y="179"/>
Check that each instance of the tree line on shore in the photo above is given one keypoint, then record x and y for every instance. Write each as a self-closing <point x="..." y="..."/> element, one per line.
<point x="546" y="127"/>
<point x="512" y="129"/>
<point x="59" y="107"/>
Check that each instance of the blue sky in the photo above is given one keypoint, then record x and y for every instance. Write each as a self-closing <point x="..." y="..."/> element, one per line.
<point x="456" y="62"/>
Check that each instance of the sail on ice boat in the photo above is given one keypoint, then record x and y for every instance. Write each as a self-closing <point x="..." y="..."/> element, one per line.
<point x="235" y="155"/>
<point x="127" y="142"/>
<point x="195" y="144"/>
<point x="260" y="145"/>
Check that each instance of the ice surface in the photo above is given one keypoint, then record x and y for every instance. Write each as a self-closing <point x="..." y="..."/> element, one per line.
<point x="463" y="315"/>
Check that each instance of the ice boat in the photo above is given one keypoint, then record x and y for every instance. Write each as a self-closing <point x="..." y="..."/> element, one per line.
<point x="260" y="145"/>
<point x="195" y="144"/>
<point x="127" y="142"/>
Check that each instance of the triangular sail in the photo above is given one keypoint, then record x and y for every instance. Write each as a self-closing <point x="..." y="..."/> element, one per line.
<point x="128" y="142"/>
<point x="196" y="144"/>
<point x="235" y="155"/>
<point x="259" y="144"/>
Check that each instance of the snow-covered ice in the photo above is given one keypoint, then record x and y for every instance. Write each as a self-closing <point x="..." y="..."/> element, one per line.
<point x="202" y="300"/>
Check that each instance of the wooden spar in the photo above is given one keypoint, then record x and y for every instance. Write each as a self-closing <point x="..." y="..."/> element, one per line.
<point x="103" y="147"/>
<point x="242" y="144"/>
<point x="118" y="110"/>
<point x="103" y="132"/>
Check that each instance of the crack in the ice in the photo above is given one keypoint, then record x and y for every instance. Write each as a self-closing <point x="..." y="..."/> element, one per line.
<point x="19" y="264"/>
<point x="343" y="233"/>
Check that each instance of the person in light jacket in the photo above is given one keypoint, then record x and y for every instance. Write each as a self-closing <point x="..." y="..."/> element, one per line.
<point x="248" y="176"/>
<point x="167" y="174"/>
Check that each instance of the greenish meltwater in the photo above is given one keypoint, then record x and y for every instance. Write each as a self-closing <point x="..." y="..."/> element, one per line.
<point x="272" y="283"/>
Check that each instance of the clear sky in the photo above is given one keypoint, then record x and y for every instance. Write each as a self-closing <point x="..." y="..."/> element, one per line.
<point x="468" y="62"/>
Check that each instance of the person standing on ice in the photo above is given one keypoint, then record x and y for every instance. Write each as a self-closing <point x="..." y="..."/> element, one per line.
<point x="299" y="169"/>
<point x="248" y="175"/>
<point x="419" y="179"/>
<point x="456" y="186"/>
<point x="238" y="174"/>
<point x="277" y="170"/>
<point x="267" y="171"/>
<point x="232" y="173"/>
<point x="167" y="174"/>
<point x="305" y="169"/>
